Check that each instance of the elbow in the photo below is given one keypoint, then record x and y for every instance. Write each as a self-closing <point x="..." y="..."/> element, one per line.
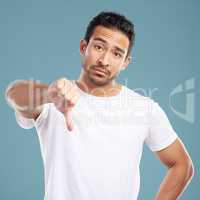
<point x="12" y="86"/>
<point x="12" y="91"/>
<point x="8" y="94"/>
<point x="189" y="170"/>
<point x="185" y="169"/>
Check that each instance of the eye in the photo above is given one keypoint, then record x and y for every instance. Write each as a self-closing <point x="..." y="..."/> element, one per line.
<point x="118" y="55"/>
<point x="98" y="47"/>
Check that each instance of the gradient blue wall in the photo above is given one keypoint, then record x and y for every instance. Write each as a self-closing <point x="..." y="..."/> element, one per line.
<point x="40" y="40"/>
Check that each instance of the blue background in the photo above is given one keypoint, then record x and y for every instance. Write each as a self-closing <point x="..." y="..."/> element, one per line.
<point x="40" y="40"/>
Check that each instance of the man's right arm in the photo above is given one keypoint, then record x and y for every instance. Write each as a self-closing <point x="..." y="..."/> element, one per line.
<point x="27" y="97"/>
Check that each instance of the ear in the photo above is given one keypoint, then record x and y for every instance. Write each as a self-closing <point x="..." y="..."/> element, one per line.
<point x="126" y="62"/>
<point x="83" y="46"/>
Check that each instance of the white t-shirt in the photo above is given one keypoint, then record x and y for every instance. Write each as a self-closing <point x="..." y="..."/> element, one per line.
<point x="100" y="158"/>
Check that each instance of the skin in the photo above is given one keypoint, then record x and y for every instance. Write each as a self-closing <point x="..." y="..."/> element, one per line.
<point x="180" y="171"/>
<point x="102" y="50"/>
<point x="107" y="49"/>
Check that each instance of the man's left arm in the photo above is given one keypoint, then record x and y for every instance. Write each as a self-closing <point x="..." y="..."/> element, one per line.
<point x="180" y="171"/>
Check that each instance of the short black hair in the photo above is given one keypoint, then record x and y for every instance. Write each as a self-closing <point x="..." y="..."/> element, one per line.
<point x="112" y="20"/>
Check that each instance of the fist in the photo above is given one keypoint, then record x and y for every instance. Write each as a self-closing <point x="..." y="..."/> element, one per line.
<point x="64" y="95"/>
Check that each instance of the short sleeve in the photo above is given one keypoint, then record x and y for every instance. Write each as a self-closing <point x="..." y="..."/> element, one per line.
<point x="161" y="134"/>
<point x="28" y="123"/>
<point x="23" y="122"/>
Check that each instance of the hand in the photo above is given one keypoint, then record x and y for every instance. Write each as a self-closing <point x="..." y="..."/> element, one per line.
<point x="64" y="95"/>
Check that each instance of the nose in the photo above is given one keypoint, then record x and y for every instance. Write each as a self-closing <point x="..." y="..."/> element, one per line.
<point x="103" y="60"/>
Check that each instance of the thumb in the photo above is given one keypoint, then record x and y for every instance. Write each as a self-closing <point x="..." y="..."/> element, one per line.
<point x="68" y="119"/>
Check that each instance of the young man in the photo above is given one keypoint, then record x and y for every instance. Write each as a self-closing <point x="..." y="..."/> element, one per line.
<point x="92" y="130"/>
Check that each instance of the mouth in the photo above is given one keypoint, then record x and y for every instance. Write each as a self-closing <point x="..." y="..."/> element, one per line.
<point x="100" y="72"/>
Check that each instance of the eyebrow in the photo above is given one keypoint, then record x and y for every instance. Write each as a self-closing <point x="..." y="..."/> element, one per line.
<point x="104" y="41"/>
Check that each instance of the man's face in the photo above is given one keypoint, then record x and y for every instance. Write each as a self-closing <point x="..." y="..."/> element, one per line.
<point x="105" y="55"/>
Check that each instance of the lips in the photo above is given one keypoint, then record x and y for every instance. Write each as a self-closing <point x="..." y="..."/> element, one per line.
<point x="99" y="71"/>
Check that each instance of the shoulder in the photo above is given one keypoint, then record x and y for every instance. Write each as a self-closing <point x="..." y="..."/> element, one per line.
<point x="137" y="99"/>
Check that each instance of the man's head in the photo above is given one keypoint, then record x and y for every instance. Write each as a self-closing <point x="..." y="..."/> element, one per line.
<point x="112" y="20"/>
<point x="107" y="45"/>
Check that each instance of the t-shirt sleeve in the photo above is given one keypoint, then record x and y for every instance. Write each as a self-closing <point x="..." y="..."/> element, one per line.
<point x="28" y="123"/>
<point x="161" y="133"/>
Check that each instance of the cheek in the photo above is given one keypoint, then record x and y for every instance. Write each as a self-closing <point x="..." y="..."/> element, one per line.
<point x="90" y="57"/>
<point x="115" y="71"/>
<point x="116" y="68"/>
<point x="117" y="63"/>
<point x="86" y="61"/>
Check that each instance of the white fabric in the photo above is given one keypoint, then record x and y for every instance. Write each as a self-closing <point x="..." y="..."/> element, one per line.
<point x="100" y="158"/>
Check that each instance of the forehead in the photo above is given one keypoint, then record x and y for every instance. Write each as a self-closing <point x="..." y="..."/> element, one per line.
<point x="111" y="36"/>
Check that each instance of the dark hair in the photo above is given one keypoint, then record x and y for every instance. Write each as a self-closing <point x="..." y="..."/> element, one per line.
<point x="112" y="20"/>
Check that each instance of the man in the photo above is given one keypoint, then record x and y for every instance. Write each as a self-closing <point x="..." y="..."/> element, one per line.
<point x="92" y="130"/>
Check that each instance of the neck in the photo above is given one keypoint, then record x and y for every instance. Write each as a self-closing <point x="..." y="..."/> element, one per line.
<point x="110" y="89"/>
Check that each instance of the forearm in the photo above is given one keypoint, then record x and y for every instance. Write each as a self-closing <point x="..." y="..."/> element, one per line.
<point x="175" y="182"/>
<point x="26" y="95"/>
